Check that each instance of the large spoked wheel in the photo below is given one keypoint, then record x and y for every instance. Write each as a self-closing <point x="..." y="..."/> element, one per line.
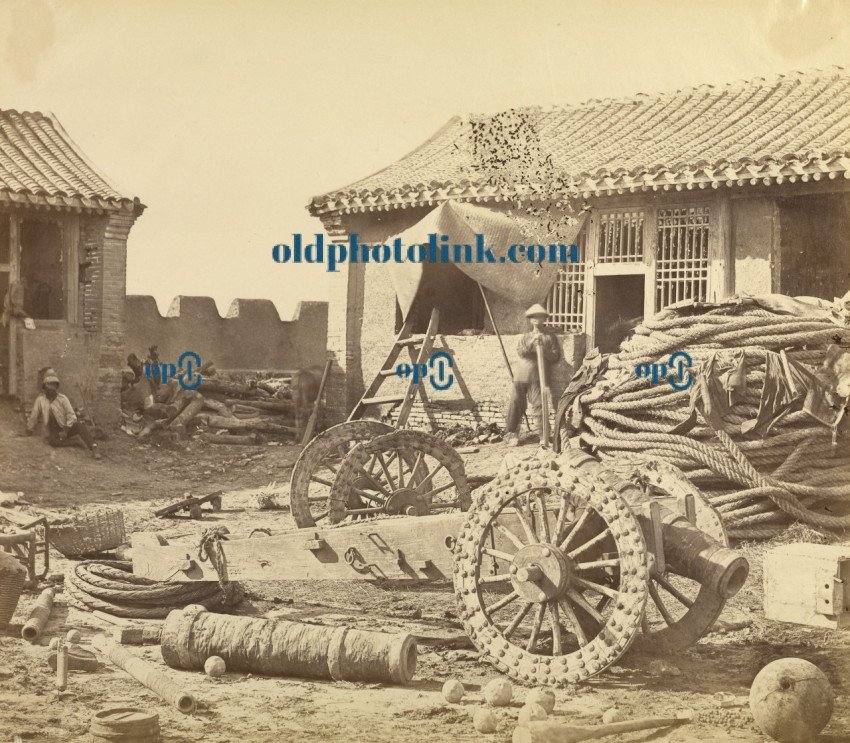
<point x="315" y="470"/>
<point x="550" y="573"/>
<point x="404" y="473"/>
<point x="680" y="610"/>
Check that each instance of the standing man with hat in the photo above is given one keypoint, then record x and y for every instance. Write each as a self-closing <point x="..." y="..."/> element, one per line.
<point x="527" y="375"/>
<point x="55" y="411"/>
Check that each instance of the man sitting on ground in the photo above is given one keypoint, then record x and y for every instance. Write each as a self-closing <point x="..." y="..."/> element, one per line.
<point x="55" y="411"/>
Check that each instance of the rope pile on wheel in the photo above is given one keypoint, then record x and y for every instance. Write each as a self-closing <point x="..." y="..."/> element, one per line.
<point x="798" y="471"/>
<point x="111" y="587"/>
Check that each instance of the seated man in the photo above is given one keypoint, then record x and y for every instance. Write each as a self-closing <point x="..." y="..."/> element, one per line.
<point x="55" y="411"/>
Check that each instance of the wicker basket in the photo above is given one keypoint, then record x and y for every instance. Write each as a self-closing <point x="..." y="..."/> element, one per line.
<point x="89" y="533"/>
<point x="12" y="578"/>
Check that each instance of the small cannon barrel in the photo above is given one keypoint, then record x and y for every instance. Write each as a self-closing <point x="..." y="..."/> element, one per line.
<point x="40" y="614"/>
<point x="277" y="647"/>
<point x="693" y="554"/>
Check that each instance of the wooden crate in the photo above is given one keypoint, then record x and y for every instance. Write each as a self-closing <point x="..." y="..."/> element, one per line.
<point x="808" y="584"/>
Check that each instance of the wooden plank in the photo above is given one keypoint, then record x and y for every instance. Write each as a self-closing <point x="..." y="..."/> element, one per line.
<point x="288" y="556"/>
<point x="317" y="405"/>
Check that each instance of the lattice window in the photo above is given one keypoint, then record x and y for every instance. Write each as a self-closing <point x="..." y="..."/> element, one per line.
<point x="682" y="257"/>
<point x="565" y="303"/>
<point x="620" y="237"/>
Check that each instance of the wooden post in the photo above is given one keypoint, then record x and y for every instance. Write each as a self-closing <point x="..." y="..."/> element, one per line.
<point x="544" y="397"/>
<point x="314" y="415"/>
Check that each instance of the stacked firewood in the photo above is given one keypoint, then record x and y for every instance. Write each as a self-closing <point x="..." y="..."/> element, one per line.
<point x="231" y="412"/>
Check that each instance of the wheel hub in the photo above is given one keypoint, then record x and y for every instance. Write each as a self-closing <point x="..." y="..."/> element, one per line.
<point x="540" y="572"/>
<point x="406" y="502"/>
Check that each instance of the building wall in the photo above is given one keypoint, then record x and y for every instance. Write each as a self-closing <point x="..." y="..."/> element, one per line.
<point x="754" y="237"/>
<point x="250" y="336"/>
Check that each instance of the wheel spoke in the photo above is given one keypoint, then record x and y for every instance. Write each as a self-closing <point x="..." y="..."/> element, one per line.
<point x="400" y="470"/>
<point x="508" y="534"/>
<point x="415" y="468"/>
<point x="362" y="511"/>
<point x="386" y="470"/>
<point x="373" y="482"/>
<point x="653" y="591"/>
<point x="321" y="481"/>
<point x="555" y="621"/>
<point x="578" y="630"/>
<point x="320" y="515"/>
<point x="590" y="543"/>
<point x="501" y="603"/>
<point x="495" y="578"/>
<point x="520" y="615"/>
<point x="526" y="527"/>
<point x="562" y="516"/>
<point x="429" y="476"/>
<point x="596" y="587"/>
<point x="644" y="624"/>
<point x="575" y="528"/>
<point x="435" y="491"/>
<point x="497" y="554"/>
<point x="581" y="602"/>
<point x="535" y="630"/>
<point x="541" y="501"/>
<point x="597" y="564"/>
<point x="367" y="495"/>
<point x="673" y="591"/>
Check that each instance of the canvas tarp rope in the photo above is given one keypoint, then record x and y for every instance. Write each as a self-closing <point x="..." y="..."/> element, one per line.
<point x="525" y="282"/>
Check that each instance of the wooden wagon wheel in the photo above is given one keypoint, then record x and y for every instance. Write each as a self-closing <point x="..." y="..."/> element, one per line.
<point x="406" y="472"/>
<point x="315" y="470"/>
<point x="551" y="574"/>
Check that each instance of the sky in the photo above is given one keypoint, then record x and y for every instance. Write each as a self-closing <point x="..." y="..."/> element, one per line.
<point x="225" y="118"/>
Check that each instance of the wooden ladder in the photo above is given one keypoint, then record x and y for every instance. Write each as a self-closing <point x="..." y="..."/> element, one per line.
<point x="405" y="340"/>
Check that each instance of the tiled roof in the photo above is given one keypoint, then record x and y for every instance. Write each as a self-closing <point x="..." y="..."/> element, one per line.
<point x="793" y="127"/>
<point x="40" y="164"/>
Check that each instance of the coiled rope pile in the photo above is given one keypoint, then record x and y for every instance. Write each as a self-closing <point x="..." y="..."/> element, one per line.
<point x="758" y="484"/>
<point x="111" y="587"/>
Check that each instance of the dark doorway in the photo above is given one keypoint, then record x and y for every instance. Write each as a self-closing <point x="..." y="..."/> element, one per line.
<point x="451" y="291"/>
<point x="619" y="307"/>
<point x="42" y="270"/>
<point x="815" y="240"/>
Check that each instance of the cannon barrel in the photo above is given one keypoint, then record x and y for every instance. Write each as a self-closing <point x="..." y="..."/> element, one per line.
<point x="692" y="553"/>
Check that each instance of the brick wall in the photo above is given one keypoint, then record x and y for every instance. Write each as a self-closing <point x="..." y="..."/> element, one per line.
<point x="250" y="336"/>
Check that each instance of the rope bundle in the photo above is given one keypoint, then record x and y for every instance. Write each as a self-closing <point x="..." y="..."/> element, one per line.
<point x="758" y="484"/>
<point x="110" y="586"/>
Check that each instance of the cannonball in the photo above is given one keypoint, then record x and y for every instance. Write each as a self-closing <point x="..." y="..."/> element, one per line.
<point x="54" y="643"/>
<point x="544" y="697"/>
<point x="73" y="635"/>
<point x="612" y="714"/>
<point x="453" y="691"/>
<point x="791" y="700"/>
<point x="214" y="666"/>
<point x="531" y="712"/>
<point x="484" y="721"/>
<point x="498" y="693"/>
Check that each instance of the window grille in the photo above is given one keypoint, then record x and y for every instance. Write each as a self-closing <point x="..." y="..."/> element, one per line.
<point x="565" y="303"/>
<point x="682" y="257"/>
<point x="620" y="237"/>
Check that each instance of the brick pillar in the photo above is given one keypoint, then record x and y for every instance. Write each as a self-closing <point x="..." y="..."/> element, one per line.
<point x="345" y="319"/>
<point x="113" y="291"/>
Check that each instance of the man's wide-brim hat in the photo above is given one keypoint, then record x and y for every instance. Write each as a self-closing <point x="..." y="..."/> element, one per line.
<point x="50" y="377"/>
<point x="536" y="310"/>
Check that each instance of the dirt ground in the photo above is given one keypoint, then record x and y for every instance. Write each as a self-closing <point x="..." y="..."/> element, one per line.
<point x="241" y="707"/>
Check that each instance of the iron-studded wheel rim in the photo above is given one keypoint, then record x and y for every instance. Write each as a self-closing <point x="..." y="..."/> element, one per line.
<point x="680" y="610"/>
<point x="316" y="468"/>
<point x="401" y="473"/>
<point x="566" y="558"/>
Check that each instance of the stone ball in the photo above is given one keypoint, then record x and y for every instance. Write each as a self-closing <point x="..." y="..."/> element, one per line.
<point x="73" y="635"/>
<point x="612" y="714"/>
<point x="791" y="700"/>
<point x="484" y="721"/>
<point x="453" y="691"/>
<point x="215" y="666"/>
<point x="498" y="693"/>
<point x="531" y="713"/>
<point x="544" y="697"/>
<point x="54" y="643"/>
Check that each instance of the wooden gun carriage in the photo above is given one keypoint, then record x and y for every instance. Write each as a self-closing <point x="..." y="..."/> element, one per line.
<point x="558" y="564"/>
